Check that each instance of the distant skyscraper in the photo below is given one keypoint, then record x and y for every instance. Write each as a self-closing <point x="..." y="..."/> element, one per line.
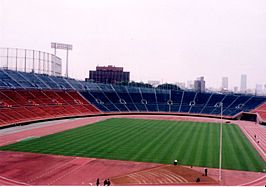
<point x="243" y="84"/>
<point x="225" y="83"/>
<point x="199" y="84"/>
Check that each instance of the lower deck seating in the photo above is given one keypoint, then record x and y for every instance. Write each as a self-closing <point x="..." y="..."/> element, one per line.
<point x="186" y="102"/>
<point x="18" y="106"/>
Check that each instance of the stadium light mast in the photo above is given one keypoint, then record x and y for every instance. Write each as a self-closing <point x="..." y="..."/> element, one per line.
<point x="66" y="47"/>
<point x="221" y="143"/>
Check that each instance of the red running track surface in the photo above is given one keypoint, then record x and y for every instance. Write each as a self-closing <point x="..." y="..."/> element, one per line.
<point x="62" y="170"/>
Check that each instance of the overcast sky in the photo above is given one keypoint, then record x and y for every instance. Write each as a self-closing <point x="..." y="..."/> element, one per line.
<point x="165" y="40"/>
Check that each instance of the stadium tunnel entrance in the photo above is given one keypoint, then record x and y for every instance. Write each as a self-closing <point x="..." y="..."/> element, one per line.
<point x="245" y="116"/>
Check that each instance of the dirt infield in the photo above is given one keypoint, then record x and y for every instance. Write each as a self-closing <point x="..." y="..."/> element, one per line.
<point x="41" y="169"/>
<point x="18" y="168"/>
<point x="166" y="175"/>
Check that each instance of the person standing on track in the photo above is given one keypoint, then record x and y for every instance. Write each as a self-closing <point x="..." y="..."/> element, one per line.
<point x="205" y="171"/>
<point x="105" y="182"/>
<point x="97" y="182"/>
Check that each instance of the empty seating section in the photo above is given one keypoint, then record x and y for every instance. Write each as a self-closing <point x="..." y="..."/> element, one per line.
<point x="261" y="110"/>
<point x="61" y="82"/>
<point x="102" y="98"/>
<point x="37" y="82"/>
<point x="51" y="83"/>
<point x="20" y="79"/>
<point x="125" y="98"/>
<point x="149" y="97"/>
<point x="236" y="106"/>
<point x="137" y="98"/>
<point x="253" y="103"/>
<point x="22" y="105"/>
<point x="188" y="100"/>
<point x="163" y="100"/>
<point x="115" y="98"/>
<point x="11" y="97"/>
<point x="111" y="98"/>
<point x="2" y="84"/>
<point x="75" y="84"/>
<point x="81" y="103"/>
<point x="30" y="96"/>
<point x="227" y="101"/>
<point x="213" y="103"/>
<point x="199" y="103"/>
<point x="9" y="82"/>
<point x="176" y="98"/>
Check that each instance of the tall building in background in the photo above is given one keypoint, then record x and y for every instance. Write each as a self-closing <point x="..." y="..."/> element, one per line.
<point x="243" y="83"/>
<point x="225" y="83"/>
<point x="199" y="84"/>
<point x="109" y="74"/>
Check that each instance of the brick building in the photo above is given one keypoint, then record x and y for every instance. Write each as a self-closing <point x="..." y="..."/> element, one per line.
<point x="108" y="74"/>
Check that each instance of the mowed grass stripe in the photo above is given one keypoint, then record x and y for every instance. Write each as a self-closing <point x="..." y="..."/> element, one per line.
<point x="189" y="150"/>
<point x="182" y="144"/>
<point x="157" y="141"/>
<point x="170" y="143"/>
<point x="244" y="159"/>
<point x="206" y="158"/>
<point x="200" y="151"/>
<point x="181" y="132"/>
<point x="231" y="157"/>
<point x="166" y="143"/>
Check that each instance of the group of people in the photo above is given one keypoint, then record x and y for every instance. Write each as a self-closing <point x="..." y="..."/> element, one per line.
<point x="205" y="174"/>
<point x="106" y="182"/>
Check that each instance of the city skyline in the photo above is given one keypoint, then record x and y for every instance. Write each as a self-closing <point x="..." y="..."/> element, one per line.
<point x="224" y="86"/>
<point x="170" y="41"/>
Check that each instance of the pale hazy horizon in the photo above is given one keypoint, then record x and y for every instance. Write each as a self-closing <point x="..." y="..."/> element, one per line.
<point x="165" y="40"/>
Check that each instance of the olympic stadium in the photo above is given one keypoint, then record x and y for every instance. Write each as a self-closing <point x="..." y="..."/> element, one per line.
<point x="57" y="130"/>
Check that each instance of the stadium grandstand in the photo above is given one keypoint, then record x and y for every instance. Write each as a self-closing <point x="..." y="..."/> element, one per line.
<point x="28" y="96"/>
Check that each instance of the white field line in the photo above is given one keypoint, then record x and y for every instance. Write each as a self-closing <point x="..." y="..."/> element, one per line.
<point x="13" y="181"/>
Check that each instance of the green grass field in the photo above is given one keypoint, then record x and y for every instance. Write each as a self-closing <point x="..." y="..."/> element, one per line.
<point x="158" y="141"/>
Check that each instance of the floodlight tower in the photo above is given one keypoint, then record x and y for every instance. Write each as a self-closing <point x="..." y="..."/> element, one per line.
<point x="220" y="105"/>
<point x="221" y="143"/>
<point x="66" y="47"/>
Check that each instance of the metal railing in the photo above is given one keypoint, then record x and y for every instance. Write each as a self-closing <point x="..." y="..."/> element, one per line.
<point x="27" y="60"/>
